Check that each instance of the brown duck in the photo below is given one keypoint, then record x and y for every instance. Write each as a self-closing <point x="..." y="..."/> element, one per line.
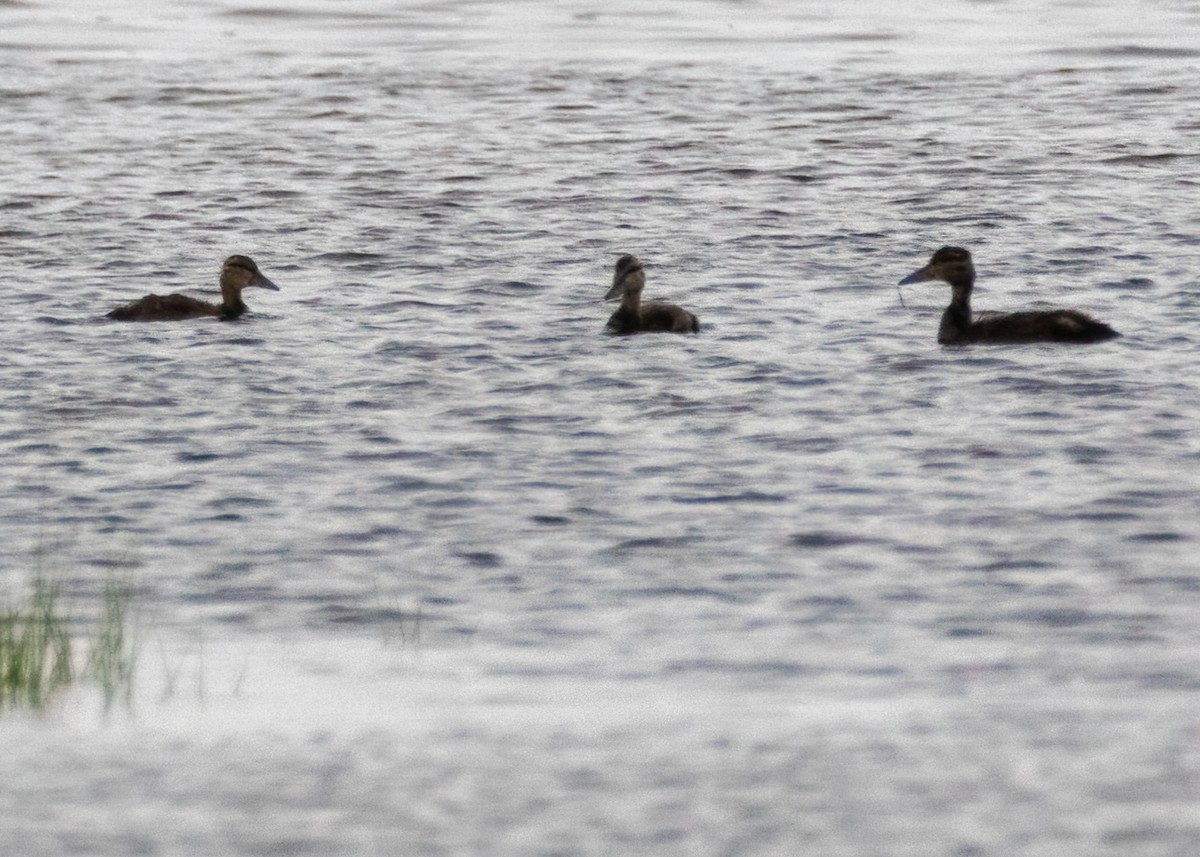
<point x="238" y="272"/>
<point x="634" y="316"/>
<point x="952" y="265"/>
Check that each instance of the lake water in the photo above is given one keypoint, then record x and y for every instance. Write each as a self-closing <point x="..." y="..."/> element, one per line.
<point x="424" y="563"/>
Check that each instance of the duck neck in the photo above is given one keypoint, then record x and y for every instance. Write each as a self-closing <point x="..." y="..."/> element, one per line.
<point x="956" y="320"/>
<point x="631" y="301"/>
<point x="231" y="302"/>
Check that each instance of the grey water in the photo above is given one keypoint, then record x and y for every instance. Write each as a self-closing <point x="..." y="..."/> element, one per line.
<point x="424" y="563"/>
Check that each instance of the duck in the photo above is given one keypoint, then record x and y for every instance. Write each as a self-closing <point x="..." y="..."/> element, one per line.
<point x="953" y="266"/>
<point x="237" y="273"/>
<point x="634" y="316"/>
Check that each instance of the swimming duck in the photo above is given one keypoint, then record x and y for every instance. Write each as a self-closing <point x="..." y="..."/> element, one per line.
<point x="238" y="272"/>
<point x="953" y="265"/>
<point x="633" y="316"/>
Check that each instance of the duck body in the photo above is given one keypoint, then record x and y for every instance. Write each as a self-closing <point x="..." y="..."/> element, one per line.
<point x="636" y="316"/>
<point x="237" y="273"/>
<point x="653" y="317"/>
<point x="953" y="265"/>
<point x="174" y="307"/>
<point x="1058" y="325"/>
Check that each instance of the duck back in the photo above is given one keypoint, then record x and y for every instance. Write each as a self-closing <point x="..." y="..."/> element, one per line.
<point x="1060" y="325"/>
<point x="172" y="307"/>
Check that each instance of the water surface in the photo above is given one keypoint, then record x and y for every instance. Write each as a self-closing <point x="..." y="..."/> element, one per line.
<point x="425" y="563"/>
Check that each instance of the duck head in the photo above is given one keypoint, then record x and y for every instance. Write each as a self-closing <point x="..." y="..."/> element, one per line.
<point x="628" y="277"/>
<point x="950" y="265"/>
<point x="240" y="272"/>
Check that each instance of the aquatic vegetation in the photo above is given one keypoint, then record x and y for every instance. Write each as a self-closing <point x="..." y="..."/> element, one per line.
<point x="37" y="652"/>
<point x="112" y="658"/>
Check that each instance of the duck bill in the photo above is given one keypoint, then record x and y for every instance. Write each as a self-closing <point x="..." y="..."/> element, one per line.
<point x="615" y="291"/>
<point x="921" y="275"/>
<point x="263" y="283"/>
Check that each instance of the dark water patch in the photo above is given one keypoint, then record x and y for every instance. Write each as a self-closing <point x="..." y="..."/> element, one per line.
<point x="1100" y="517"/>
<point x="114" y="564"/>
<point x="511" y="288"/>
<point x="160" y="402"/>
<point x="742" y="497"/>
<point x="784" y="443"/>
<point x="420" y="351"/>
<point x="904" y="365"/>
<point x="99" y="451"/>
<point x="350" y="550"/>
<point x="680" y="592"/>
<point x="528" y="424"/>
<point x="1185" y="583"/>
<point x="1107" y="626"/>
<point x="1029" y="385"/>
<point x="1147" y="160"/>
<point x="1144" y="90"/>
<point x="176" y="486"/>
<point x="550" y="520"/>
<point x="387" y="455"/>
<point x="190" y="457"/>
<point x="743" y="285"/>
<point x="228" y="569"/>
<point x="27" y="201"/>
<point x="823" y="540"/>
<point x="1158" y="537"/>
<point x="1142" y="499"/>
<point x="403" y="484"/>
<point x="44" y="448"/>
<point x="986" y="452"/>
<point x="939" y="465"/>
<point x="241" y="502"/>
<point x="1018" y="565"/>
<point x="773" y="669"/>
<point x="54" y="321"/>
<point x="1059" y="617"/>
<point x="1088" y="251"/>
<point x="829" y="605"/>
<point x="1130" y="284"/>
<point x="1082" y="454"/>
<point x="371" y="535"/>
<point x="1127" y="52"/>
<point x="355" y="260"/>
<point x="277" y="14"/>
<point x="388" y="307"/>
<point x="237" y="341"/>
<point x="257" y="593"/>
<point x="481" y="559"/>
<point x="960" y="632"/>
<point x="759" y="577"/>
<point x="345" y="614"/>
<point x="1169" y="680"/>
<point x="654" y="543"/>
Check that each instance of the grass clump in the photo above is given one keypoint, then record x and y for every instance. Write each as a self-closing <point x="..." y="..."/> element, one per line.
<point x="37" y="655"/>
<point x="35" y="651"/>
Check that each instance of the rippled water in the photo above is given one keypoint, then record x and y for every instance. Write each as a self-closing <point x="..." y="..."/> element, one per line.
<point x="427" y="564"/>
